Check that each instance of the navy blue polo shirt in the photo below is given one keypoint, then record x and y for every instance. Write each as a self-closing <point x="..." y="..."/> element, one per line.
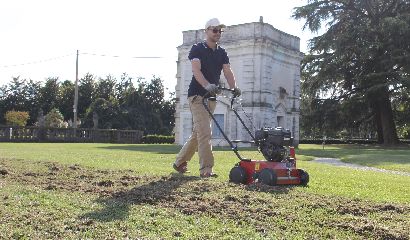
<point x="211" y="65"/>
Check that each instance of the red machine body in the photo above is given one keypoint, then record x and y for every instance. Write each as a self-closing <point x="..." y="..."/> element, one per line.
<point x="285" y="172"/>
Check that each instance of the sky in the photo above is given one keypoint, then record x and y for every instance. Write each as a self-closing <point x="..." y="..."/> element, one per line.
<point x="39" y="39"/>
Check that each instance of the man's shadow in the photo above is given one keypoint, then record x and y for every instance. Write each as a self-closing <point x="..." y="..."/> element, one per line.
<point x="117" y="206"/>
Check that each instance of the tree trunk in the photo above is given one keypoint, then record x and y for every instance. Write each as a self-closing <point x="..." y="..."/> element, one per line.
<point x="384" y="117"/>
<point x="378" y="122"/>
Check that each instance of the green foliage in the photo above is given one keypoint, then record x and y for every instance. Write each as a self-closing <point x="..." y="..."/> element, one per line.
<point x="17" y="118"/>
<point x="49" y="94"/>
<point x="168" y="115"/>
<point x="19" y="95"/>
<point x="123" y="87"/>
<point x="349" y="118"/>
<point x="105" y="88"/>
<point x="119" y="105"/>
<point x="15" y="94"/>
<point x="105" y="113"/>
<point x="154" y="139"/>
<point x="401" y="105"/>
<point x="404" y="131"/>
<point x="66" y="99"/>
<point x="2" y="103"/>
<point x="145" y="108"/>
<point x="54" y="119"/>
<point x="86" y="93"/>
<point x="363" y="55"/>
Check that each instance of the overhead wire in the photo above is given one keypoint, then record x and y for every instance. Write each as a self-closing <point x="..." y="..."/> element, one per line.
<point x="84" y="53"/>
<point x="37" y="61"/>
<point x="115" y="56"/>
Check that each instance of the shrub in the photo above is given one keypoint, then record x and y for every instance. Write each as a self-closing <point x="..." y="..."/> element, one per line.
<point x="405" y="131"/>
<point x="157" y="139"/>
<point x="54" y="119"/>
<point x="17" y="118"/>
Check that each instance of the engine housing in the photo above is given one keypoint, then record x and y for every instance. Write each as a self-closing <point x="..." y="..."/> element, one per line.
<point x="273" y="143"/>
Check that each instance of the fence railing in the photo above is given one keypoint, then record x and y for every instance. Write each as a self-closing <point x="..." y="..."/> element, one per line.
<point x="38" y="134"/>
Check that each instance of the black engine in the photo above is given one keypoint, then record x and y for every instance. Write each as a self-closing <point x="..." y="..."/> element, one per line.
<point x="272" y="141"/>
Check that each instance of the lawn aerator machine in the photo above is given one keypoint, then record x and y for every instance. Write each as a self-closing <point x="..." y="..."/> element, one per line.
<point x="275" y="144"/>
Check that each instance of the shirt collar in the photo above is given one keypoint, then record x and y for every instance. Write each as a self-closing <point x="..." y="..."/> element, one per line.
<point x="206" y="45"/>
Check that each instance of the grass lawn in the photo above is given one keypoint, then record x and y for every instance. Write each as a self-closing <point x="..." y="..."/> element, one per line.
<point x="397" y="159"/>
<point x="130" y="191"/>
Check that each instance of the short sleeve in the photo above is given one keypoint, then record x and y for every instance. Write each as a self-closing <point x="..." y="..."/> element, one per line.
<point x="194" y="52"/>
<point x="225" y="58"/>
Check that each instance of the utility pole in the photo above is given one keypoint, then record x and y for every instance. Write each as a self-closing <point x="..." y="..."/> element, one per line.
<point x="75" y="94"/>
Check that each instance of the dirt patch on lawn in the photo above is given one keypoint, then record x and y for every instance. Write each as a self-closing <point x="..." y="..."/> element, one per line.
<point x="53" y="176"/>
<point x="268" y="209"/>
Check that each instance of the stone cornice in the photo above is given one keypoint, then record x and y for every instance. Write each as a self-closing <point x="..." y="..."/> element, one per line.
<point x="247" y="31"/>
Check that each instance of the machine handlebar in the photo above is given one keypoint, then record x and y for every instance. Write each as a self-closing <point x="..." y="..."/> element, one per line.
<point x="207" y="95"/>
<point x="226" y="89"/>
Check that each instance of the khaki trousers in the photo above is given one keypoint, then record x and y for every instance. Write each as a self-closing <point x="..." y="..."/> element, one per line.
<point x="200" y="139"/>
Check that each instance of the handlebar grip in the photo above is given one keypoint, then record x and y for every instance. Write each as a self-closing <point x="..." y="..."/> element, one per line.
<point x="221" y="88"/>
<point x="226" y="89"/>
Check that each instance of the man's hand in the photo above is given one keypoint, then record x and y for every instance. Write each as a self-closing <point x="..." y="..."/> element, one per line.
<point x="237" y="92"/>
<point x="212" y="89"/>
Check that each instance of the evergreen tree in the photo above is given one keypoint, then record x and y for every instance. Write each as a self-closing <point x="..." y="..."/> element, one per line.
<point x="49" y="94"/>
<point x="86" y="94"/>
<point x="364" y="54"/>
<point x="66" y="99"/>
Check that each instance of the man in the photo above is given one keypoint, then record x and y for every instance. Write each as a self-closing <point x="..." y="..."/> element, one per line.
<point x="208" y="59"/>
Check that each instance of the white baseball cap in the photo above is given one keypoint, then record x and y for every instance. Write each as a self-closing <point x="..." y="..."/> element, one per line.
<point x="214" y="22"/>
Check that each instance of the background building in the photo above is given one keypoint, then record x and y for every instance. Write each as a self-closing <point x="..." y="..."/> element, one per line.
<point x="266" y="64"/>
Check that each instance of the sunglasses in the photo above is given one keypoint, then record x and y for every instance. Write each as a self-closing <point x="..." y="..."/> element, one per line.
<point x="216" y="30"/>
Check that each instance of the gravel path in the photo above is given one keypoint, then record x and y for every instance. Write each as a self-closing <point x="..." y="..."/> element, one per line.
<point x="337" y="162"/>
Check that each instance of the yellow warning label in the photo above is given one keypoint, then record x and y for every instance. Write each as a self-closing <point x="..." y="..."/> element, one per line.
<point x="257" y="165"/>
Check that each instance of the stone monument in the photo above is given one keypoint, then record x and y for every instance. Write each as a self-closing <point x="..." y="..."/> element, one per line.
<point x="266" y="64"/>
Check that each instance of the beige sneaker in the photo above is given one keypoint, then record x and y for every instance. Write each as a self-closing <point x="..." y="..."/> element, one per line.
<point x="181" y="168"/>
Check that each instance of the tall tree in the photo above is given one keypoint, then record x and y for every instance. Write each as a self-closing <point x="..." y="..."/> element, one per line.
<point x="124" y="87"/>
<point x="401" y="105"/>
<point x="86" y="93"/>
<point x="154" y="91"/>
<point x="105" y="112"/>
<point x="105" y="88"/>
<point x="3" y="109"/>
<point x="168" y="115"/>
<point x="66" y="99"/>
<point x="20" y="95"/>
<point x="33" y="94"/>
<point x="364" y="54"/>
<point x="15" y="94"/>
<point x="49" y="94"/>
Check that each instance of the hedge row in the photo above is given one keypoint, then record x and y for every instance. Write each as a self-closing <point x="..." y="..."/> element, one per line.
<point x="157" y="139"/>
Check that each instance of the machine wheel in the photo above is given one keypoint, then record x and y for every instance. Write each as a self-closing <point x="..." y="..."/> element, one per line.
<point x="304" y="177"/>
<point x="268" y="176"/>
<point x="238" y="175"/>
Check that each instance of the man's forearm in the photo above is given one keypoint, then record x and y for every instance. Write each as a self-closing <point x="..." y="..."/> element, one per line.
<point x="230" y="78"/>
<point x="200" y="78"/>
